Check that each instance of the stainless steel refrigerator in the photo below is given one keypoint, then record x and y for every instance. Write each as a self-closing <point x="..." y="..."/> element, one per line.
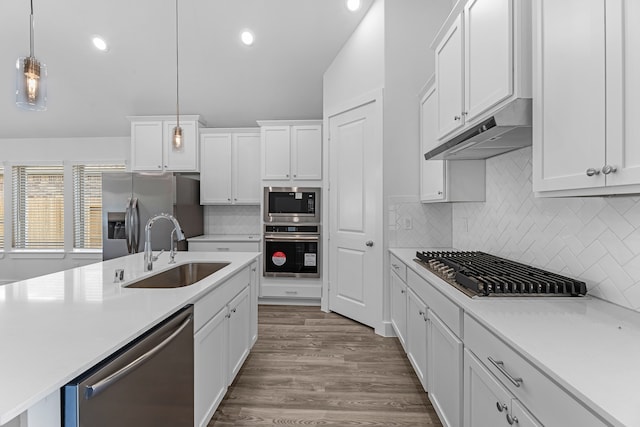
<point x="130" y="199"/>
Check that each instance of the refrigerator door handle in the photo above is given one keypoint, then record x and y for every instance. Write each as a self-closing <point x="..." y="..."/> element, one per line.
<point x="127" y="226"/>
<point x="135" y="225"/>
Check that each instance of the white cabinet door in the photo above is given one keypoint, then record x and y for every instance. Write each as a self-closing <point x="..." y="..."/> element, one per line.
<point x="146" y="146"/>
<point x="486" y="401"/>
<point x="185" y="159"/>
<point x="449" y="80"/>
<point x="246" y="168"/>
<point x="306" y="152"/>
<point x="399" y="308"/>
<point x="255" y="282"/>
<point x="210" y="367"/>
<point x="445" y="372"/>
<point x="215" y="172"/>
<point x="569" y="94"/>
<point x="239" y="332"/>
<point x="417" y="332"/>
<point x="432" y="172"/>
<point x="521" y="417"/>
<point x="276" y="152"/>
<point x="488" y="54"/>
<point x="623" y="91"/>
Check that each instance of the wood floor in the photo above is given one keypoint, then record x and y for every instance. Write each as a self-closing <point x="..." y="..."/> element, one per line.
<point x="312" y="368"/>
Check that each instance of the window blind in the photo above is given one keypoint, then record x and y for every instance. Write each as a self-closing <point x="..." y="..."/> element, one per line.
<point x="87" y="204"/>
<point x="38" y="207"/>
<point x="1" y="207"/>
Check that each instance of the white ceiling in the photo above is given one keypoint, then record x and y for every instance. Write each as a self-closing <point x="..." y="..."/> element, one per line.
<point x="90" y="93"/>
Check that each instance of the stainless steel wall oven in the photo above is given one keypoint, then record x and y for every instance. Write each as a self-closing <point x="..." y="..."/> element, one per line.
<point x="292" y="251"/>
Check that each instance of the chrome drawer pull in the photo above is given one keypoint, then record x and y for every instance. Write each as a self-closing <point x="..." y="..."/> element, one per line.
<point x="501" y="406"/>
<point x="499" y="364"/>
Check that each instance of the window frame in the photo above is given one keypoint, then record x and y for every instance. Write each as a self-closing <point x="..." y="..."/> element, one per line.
<point x="13" y="214"/>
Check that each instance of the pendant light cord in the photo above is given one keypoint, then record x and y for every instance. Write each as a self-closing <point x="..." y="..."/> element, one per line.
<point x="177" y="73"/>
<point x="31" y="54"/>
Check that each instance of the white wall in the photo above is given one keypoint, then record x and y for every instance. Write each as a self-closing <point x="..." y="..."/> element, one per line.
<point x="18" y="266"/>
<point x="410" y="27"/>
<point x="595" y="239"/>
<point x="359" y="67"/>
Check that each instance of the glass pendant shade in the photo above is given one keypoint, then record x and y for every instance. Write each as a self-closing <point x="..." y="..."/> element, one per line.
<point x="176" y="141"/>
<point x="31" y="84"/>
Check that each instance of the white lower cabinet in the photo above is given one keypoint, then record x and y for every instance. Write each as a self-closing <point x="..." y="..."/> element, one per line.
<point x="487" y="402"/>
<point x="399" y="308"/>
<point x="239" y="332"/>
<point x="222" y="341"/>
<point x="210" y="380"/>
<point x="445" y="371"/>
<point x="417" y="336"/>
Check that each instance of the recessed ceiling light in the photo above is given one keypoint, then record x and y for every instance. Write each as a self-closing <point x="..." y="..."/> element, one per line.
<point x="247" y="37"/>
<point x="100" y="44"/>
<point x="353" y="5"/>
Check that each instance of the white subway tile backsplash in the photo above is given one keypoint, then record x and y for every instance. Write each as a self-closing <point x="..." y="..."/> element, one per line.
<point x="428" y="225"/>
<point x="234" y="219"/>
<point x="595" y="239"/>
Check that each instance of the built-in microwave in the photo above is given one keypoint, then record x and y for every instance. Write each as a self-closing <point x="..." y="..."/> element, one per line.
<point x="287" y="205"/>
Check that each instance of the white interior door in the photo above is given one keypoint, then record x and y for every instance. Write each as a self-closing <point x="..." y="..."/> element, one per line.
<point x="355" y="197"/>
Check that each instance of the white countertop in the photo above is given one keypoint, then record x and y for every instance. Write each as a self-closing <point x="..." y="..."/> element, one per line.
<point x="54" y="327"/>
<point x="226" y="238"/>
<point x="587" y="345"/>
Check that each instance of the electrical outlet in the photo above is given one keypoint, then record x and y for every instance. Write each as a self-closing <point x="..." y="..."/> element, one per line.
<point x="408" y="224"/>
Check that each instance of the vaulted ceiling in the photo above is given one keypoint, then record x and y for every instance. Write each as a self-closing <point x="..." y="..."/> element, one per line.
<point x="90" y="93"/>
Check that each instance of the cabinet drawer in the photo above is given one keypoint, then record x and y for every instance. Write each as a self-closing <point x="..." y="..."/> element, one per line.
<point x="543" y="397"/>
<point x="447" y="310"/>
<point x="207" y="306"/>
<point x="272" y="290"/>
<point x="398" y="267"/>
<point x="196" y="246"/>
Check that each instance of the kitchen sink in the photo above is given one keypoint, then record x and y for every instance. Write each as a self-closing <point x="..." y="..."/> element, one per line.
<point x="180" y="275"/>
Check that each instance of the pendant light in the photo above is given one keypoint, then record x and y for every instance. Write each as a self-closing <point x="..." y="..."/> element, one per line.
<point x="176" y="140"/>
<point x="31" y="78"/>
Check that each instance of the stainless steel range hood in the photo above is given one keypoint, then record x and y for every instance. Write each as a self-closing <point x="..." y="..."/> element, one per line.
<point x="507" y="130"/>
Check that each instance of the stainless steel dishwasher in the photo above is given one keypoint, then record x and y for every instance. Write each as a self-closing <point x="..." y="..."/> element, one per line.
<point x="149" y="382"/>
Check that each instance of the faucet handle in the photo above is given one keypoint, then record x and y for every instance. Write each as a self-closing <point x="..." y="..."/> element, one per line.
<point x="155" y="257"/>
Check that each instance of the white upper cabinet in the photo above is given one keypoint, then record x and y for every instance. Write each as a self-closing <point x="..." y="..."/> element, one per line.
<point x="450" y="80"/>
<point x="151" y="148"/>
<point x="488" y="55"/>
<point x="483" y="61"/>
<point x="443" y="180"/>
<point x="291" y="150"/>
<point x="586" y="132"/>
<point x="230" y="166"/>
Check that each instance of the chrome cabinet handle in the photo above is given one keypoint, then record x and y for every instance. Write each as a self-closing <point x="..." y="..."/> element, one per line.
<point x="369" y="243"/>
<point x="501" y="406"/>
<point x="103" y="384"/>
<point x="396" y="266"/>
<point x="402" y="291"/>
<point x="464" y="113"/>
<point x="439" y="193"/>
<point x="592" y="172"/>
<point x="456" y="118"/>
<point x="607" y="169"/>
<point x="421" y="313"/>
<point x="499" y="364"/>
<point x="512" y="419"/>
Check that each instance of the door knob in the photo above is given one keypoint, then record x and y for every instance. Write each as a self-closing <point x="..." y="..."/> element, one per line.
<point x="369" y="243"/>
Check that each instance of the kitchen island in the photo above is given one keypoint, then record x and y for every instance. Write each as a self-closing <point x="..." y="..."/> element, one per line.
<point x="56" y="326"/>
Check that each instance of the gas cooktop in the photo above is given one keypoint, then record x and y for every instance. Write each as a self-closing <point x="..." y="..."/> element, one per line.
<point x="481" y="274"/>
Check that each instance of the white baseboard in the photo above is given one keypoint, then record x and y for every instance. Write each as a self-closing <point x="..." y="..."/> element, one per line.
<point x="289" y="301"/>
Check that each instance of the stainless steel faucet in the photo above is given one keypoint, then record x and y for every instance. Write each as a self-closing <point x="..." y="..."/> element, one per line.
<point x="148" y="253"/>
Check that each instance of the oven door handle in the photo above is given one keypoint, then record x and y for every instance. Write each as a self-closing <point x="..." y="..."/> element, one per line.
<point x="287" y="237"/>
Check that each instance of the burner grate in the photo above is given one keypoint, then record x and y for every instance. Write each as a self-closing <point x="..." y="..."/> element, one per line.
<point x="488" y="274"/>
